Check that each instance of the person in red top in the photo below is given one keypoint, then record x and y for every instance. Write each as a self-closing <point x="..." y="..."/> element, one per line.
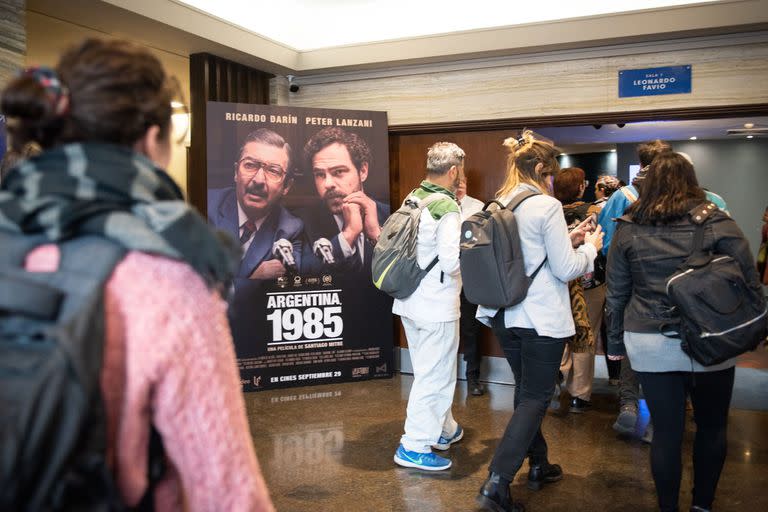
<point x="103" y="120"/>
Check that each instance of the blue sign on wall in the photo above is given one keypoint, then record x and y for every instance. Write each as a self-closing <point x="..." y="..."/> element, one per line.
<point x="655" y="81"/>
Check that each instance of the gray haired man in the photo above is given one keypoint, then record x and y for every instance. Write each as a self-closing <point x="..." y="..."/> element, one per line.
<point x="430" y="317"/>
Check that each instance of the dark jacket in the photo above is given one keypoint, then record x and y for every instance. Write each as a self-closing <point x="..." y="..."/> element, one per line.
<point x="222" y="213"/>
<point x="320" y="223"/>
<point x="642" y="257"/>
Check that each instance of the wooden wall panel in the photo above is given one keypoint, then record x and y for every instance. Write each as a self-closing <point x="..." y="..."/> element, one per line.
<point x="215" y="79"/>
<point x="485" y="165"/>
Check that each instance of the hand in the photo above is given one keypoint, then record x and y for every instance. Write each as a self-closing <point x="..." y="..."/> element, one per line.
<point x="595" y="238"/>
<point x="370" y="214"/>
<point x="577" y="233"/>
<point x="615" y="358"/>
<point x="353" y="222"/>
<point x="268" y="270"/>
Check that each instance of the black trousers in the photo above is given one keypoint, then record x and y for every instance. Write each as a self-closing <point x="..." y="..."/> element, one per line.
<point x="469" y="328"/>
<point x="629" y="387"/>
<point x="710" y="394"/>
<point x="535" y="361"/>
<point x="614" y="367"/>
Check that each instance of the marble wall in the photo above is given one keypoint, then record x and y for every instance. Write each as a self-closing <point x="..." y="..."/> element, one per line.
<point x="722" y="75"/>
<point x="13" y="38"/>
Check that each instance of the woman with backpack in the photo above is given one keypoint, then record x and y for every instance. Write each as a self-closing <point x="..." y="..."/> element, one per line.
<point x="103" y="120"/>
<point x="533" y="332"/>
<point x="651" y="242"/>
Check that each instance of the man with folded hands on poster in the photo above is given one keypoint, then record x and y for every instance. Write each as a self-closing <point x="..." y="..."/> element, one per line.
<point x="251" y="211"/>
<point x="346" y="217"/>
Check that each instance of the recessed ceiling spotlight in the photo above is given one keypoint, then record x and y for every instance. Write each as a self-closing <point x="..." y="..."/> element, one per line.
<point x="749" y="126"/>
<point x="750" y="136"/>
<point x="563" y="154"/>
<point x="613" y="151"/>
<point x="693" y="138"/>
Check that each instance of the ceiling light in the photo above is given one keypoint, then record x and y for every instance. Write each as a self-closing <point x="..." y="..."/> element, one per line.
<point x="693" y="138"/>
<point x="613" y="151"/>
<point x="177" y="104"/>
<point x="749" y="125"/>
<point x="750" y="136"/>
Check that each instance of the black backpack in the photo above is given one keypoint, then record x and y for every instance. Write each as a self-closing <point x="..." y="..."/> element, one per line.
<point x="720" y="316"/>
<point x="492" y="265"/>
<point x="52" y="419"/>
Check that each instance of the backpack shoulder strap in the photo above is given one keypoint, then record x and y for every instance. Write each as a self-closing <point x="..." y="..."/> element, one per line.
<point x="493" y="202"/>
<point x="698" y="217"/>
<point x="431" y="198"/>
<point x="519" y="198"/>
<point x="92" y="256"/>
<point x="16" y="246"/>
<point x="629" y="194"/>
<point x="512" y="205"/>
<point x="19" y="293"/>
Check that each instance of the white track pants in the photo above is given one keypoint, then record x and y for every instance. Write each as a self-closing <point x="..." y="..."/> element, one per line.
<point x="433" y="348"/>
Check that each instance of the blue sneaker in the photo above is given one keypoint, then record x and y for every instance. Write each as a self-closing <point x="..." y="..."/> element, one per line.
<point x="443" y="443"/>
<point x="426" y="461"/>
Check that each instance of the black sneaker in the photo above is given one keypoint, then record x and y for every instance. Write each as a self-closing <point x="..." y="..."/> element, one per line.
<point x="579" y="406"/>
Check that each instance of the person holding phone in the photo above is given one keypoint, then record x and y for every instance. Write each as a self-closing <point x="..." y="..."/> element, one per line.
<point x="534" y="332"/>
<point x="577" y="368"/>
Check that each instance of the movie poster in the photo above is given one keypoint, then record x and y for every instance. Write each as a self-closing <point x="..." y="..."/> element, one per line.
<point x="304" y="192"/>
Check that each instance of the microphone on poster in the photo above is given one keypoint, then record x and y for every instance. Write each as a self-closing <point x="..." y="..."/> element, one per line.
<point x="283" y="251"/>
<point x="324" y="250"/>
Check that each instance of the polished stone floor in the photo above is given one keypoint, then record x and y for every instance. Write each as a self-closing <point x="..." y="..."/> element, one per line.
<point x="330" y="448"/>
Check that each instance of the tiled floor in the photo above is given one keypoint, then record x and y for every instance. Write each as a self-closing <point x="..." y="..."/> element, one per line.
<point x="329" y="448"/>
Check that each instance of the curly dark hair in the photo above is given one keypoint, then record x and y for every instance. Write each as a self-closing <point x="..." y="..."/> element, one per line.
<point x="358" y="149"/>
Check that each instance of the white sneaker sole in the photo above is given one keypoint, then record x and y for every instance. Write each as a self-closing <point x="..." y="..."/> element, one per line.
<point x="444" y="447"/>
<point x="409" y="464"/>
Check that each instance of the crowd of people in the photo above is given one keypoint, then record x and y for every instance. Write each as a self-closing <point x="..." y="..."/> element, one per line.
<point x="94" y="137"/>
<point x="582" y="295"/>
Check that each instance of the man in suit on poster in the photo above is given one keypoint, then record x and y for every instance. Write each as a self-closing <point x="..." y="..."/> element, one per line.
<point x="250" y="211"/>
<point x="345" y="215"/>
<point x="347" y="222"/>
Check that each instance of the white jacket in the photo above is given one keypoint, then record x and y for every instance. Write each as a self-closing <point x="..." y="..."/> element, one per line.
<point x="543" y="232"/>
<point x="433" y="300"/>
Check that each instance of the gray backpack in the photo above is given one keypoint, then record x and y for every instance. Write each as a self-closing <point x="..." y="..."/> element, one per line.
<point x="395" y="268"/>
<point x="492" y="265"/>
